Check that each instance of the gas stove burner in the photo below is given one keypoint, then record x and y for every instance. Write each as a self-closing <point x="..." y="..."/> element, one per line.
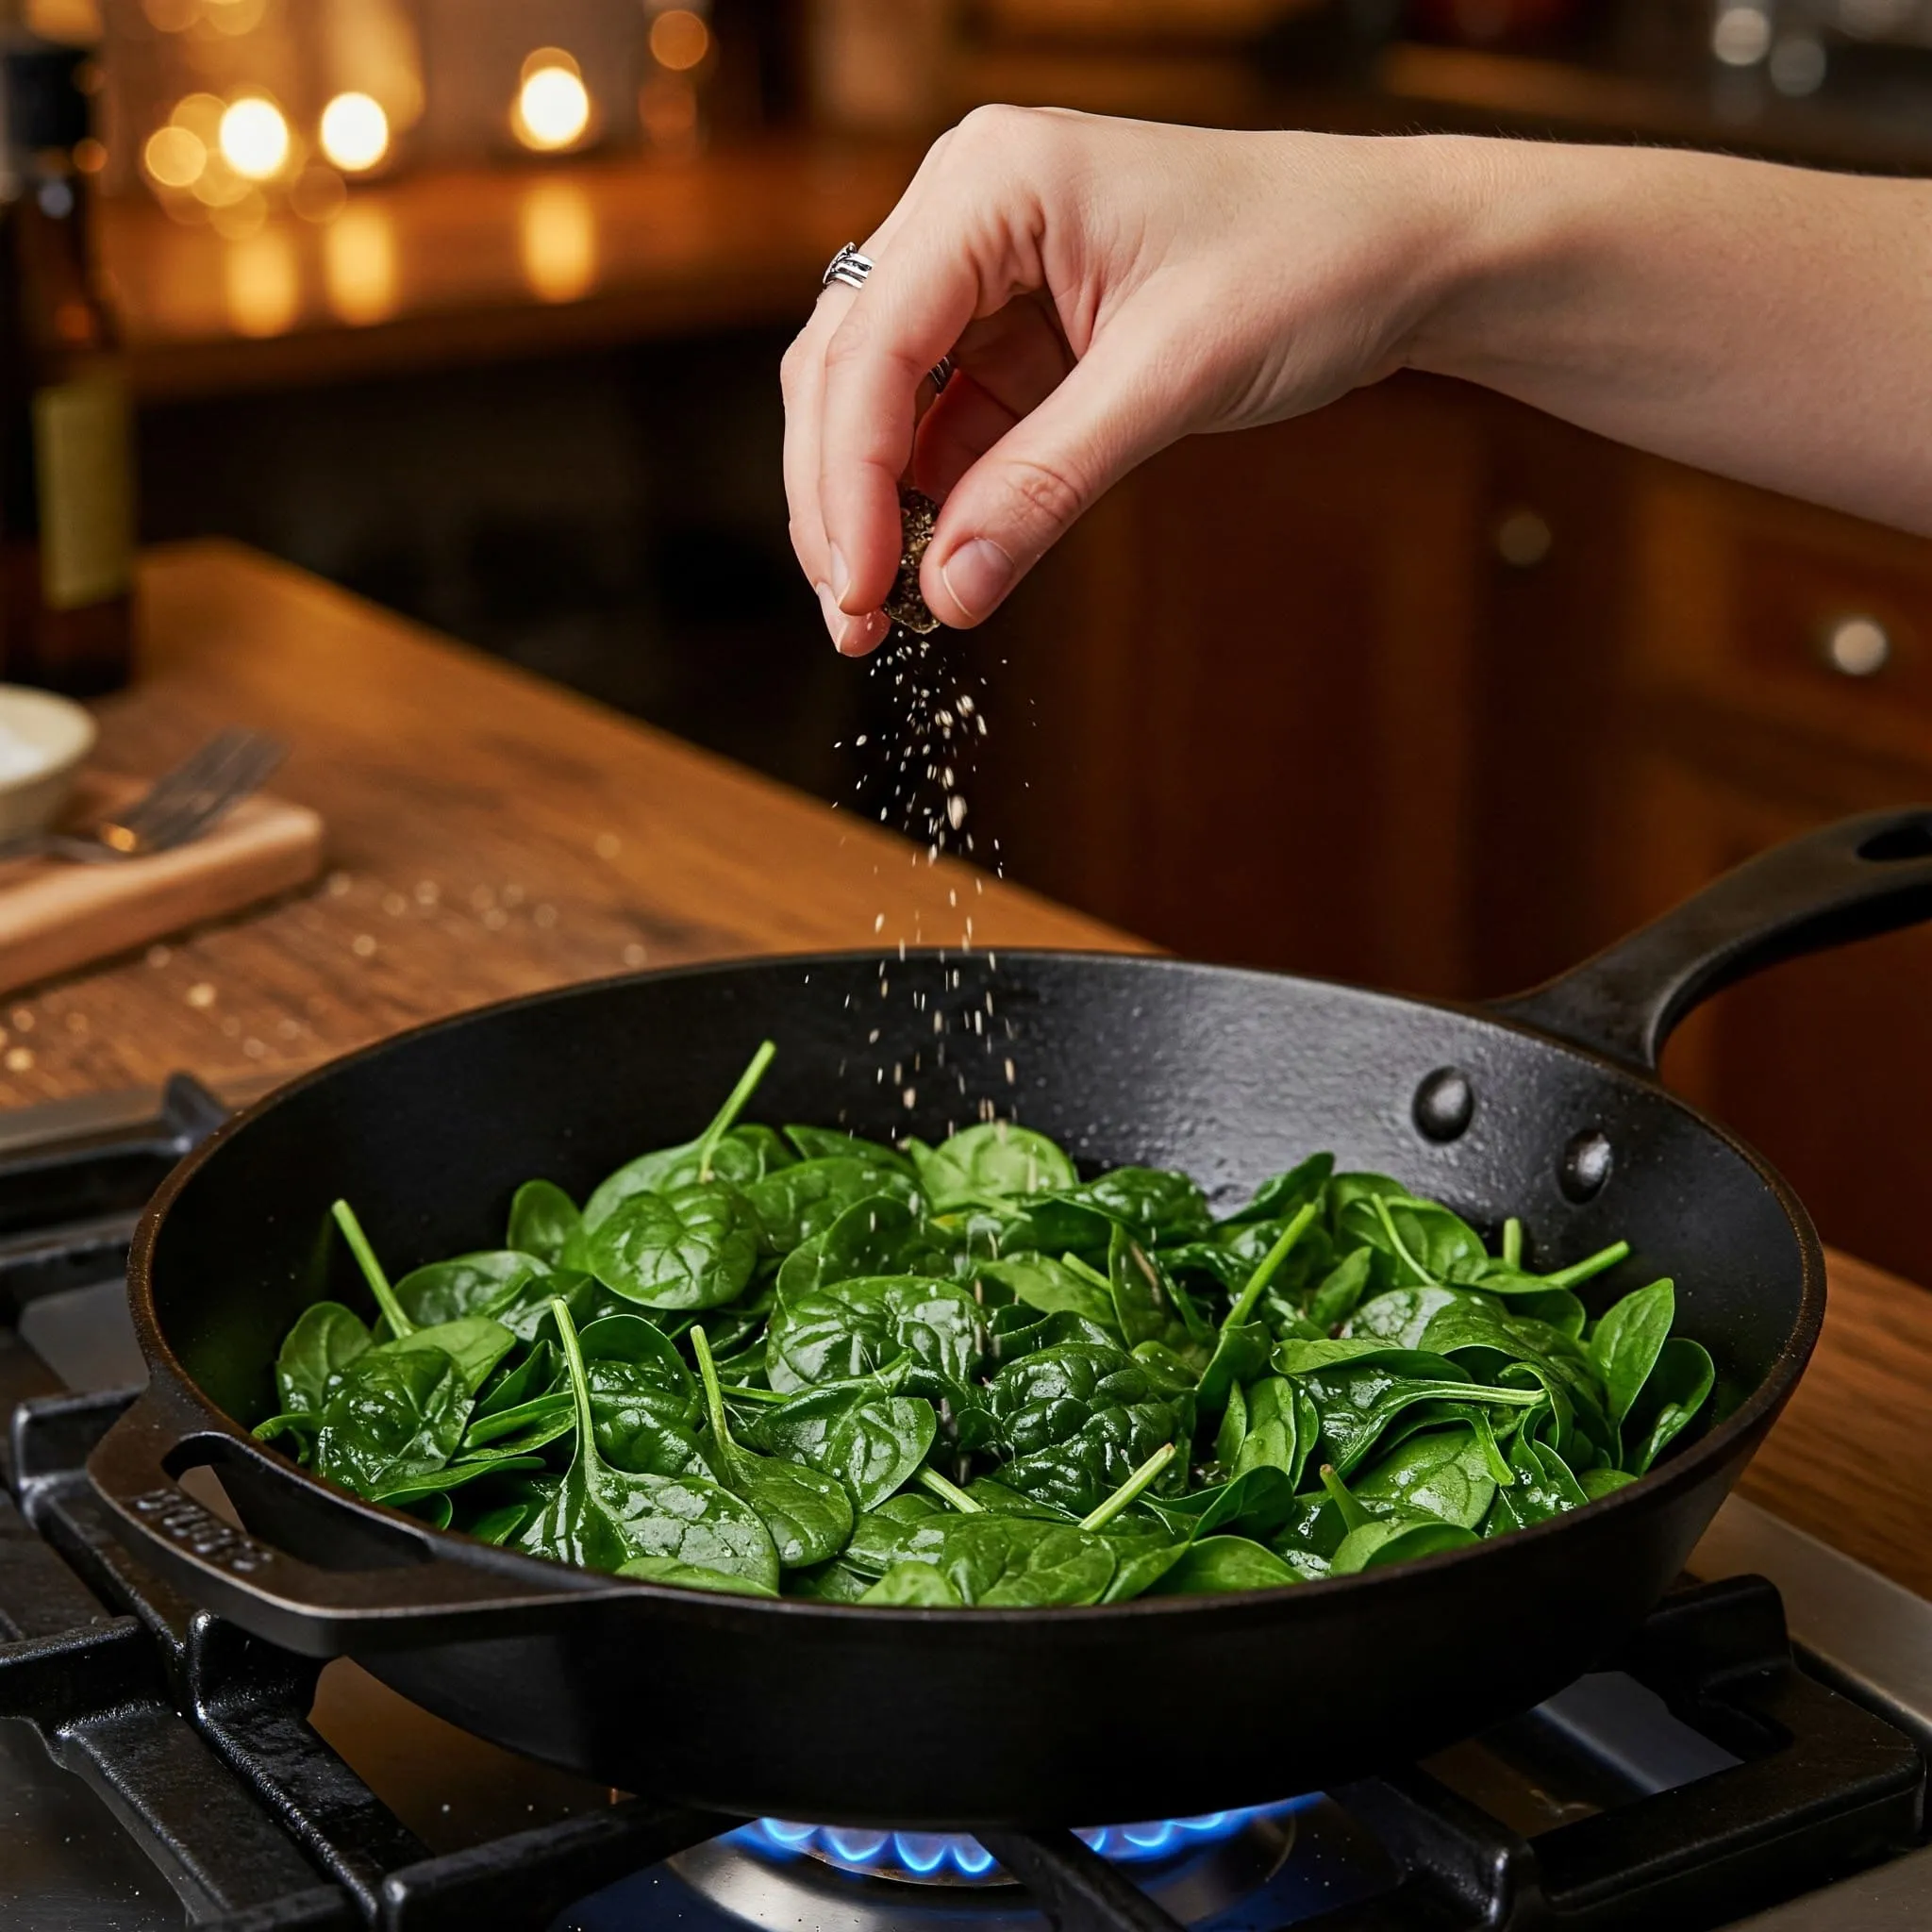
<point x="955" y="1858"/>
<point x="775" y="1874"/>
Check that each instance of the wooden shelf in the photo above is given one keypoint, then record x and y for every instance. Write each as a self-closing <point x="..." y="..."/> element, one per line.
<point x="490" y="263"/>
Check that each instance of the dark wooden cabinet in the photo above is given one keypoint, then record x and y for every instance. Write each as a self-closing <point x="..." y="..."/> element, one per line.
<point x="1432" y="692"/>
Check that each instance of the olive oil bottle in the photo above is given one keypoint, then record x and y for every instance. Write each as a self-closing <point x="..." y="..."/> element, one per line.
<point x="66" y="448"/>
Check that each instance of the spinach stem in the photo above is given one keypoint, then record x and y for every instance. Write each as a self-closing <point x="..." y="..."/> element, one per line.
<point x="737" y="1393"/>
<point x="385" y="1295"/>
<point x="1513" y="1242"/>
<point x="1503" y="1476"/>
<point x="1352" y="1515"/>
<point x="1269" y="1268"/>
<point x="579" y="1379"/>
<point x="1592" y="1264"/>
<point x="714" y="1395"/>
<point x="1085" y="1271"/>
<point x="949" y="1494"/>
<point x="1130" y="1490"/>
<point x="1401" y="1246"/>
<point x="734" y="1105"/>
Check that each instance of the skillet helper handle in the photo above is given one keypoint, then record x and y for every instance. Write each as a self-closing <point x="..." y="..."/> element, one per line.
<point x="1847" y="881"/>
<point x="429" y="1589"/>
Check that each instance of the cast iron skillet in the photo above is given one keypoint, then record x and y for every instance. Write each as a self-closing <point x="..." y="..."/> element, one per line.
<point x="1543" y="1106"/>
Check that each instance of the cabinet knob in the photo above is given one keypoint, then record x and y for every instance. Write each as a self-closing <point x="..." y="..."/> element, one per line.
<point x="1857" y="646"/>
<point x="1523" y="539"/>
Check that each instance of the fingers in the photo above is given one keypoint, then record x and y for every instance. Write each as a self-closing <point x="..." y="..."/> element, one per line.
<point x="1012" y="505"/>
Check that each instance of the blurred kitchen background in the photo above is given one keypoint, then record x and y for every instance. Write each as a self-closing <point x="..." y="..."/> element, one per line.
<point x="475" y="306"/>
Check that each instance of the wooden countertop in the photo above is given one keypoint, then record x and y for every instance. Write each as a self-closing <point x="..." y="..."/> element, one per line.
<point x="491" y="835"/>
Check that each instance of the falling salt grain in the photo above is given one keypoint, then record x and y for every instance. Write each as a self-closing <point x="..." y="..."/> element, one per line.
<point x="878" y="924"/>
<point x="955" y="812"/>
<point x="200" y="995"/>
<point x="1013" y="1079"/>
<point x="910" y="1096"/>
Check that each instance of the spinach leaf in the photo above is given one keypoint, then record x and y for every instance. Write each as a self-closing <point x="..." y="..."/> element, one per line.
<point x="875" y="1236"/>
<point x="870" y="1440"/>
<point x="693" y="1576"/>
<point x="719" y="1153"/>
<point x="1397" y="1540"/>
<point x="919" y="1586"/>
<point x="805" y="1199"/>
<point x="1286" y="1195"/>
<point x="855" y="1328"/>
<point x="392" y="1414"/>
<point x="603" y="1518"/>
<point x="1626" y="1343"/>
<point x="1010" y="1562"/>
<point x="1440" y="1472"/>
<point x="1676" y="1388"/>
<point x="468" y="1285"/>
<point x="829" y="1143"/>
<point x="994" y="1161"/>
<point x="694" y="1247"/>
<point x="1075" y="1421"/>
<point x="1341" y="1289"/>
<point x="807" y="1515"/>
<point x="326" y="1338"/>
<point x="543" y="1221"/>
<point x="1219" y="1564"/>
<point x="1157" y="1208"/>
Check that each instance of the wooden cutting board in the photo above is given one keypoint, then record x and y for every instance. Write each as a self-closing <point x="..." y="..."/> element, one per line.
<point x="56" y="916"/>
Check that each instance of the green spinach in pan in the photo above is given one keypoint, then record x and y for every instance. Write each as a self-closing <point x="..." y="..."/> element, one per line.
<point x="920" y="1376"/>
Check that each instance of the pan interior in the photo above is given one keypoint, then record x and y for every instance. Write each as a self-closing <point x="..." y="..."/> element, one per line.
<point x="1226" y="1075"/>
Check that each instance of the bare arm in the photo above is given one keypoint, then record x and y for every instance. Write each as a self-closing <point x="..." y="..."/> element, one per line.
<point x="1107" y="287"/>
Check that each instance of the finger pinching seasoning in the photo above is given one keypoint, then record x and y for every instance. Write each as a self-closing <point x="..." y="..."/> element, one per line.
<point x="905" y="603"/>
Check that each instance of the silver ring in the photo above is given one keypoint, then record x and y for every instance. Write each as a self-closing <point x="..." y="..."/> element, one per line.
<point x="847" y="266"/>
<point x="851" y="268"/>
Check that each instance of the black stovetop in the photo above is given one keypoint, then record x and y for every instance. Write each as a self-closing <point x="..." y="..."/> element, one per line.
<point x="160" y="1768"/>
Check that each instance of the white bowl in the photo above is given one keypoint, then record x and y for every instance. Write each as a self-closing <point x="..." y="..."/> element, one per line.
<point x="43" y="740"/>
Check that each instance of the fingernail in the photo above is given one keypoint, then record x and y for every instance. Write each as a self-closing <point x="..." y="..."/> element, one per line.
<point x="841" y="576"/>
<point x="853" y="636"/>
<point x="978" y="575"/>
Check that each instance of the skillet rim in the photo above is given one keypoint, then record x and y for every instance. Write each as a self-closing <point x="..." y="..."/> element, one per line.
<point x="1679" y="1472"/>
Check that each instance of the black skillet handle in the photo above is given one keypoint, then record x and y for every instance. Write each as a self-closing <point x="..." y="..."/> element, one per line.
<point x="416" y="1586"/>
<point x="1847" y="881"/>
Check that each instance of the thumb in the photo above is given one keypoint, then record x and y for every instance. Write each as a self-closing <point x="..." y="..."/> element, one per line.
<point x="1026" y="491"/>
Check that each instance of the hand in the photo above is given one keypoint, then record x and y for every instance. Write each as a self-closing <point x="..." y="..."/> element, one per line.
<point x="1104" y="287"/>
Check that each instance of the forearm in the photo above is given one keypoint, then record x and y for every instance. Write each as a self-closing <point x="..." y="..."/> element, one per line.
<point x="1770" y="324"/>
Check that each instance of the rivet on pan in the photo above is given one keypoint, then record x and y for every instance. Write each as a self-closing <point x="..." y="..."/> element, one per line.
<point x="1586" y="1165"/>
<point x="1444" y="1104"/>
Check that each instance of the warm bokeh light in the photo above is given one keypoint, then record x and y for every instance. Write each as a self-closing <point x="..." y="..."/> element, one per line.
<point x="355" y="132"/>
<point x="262" y="281"/>
<point x="358" y="257"/>
<point x="679" y="38"/>
<point x="553" y="107"/>
<point x="254" y="138"/>
<point x="174" y="157"/>
<point x="90" y="155"/>
<point x="668" y="110"/>
<point x="172" y="16"/>
<point x="557" y="239"/>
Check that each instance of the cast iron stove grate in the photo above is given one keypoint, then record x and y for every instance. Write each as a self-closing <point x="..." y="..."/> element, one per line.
<point x="1760" y="1783"/>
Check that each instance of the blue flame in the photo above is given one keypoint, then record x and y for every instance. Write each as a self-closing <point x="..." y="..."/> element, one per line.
<point x="928" y="1855"/>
